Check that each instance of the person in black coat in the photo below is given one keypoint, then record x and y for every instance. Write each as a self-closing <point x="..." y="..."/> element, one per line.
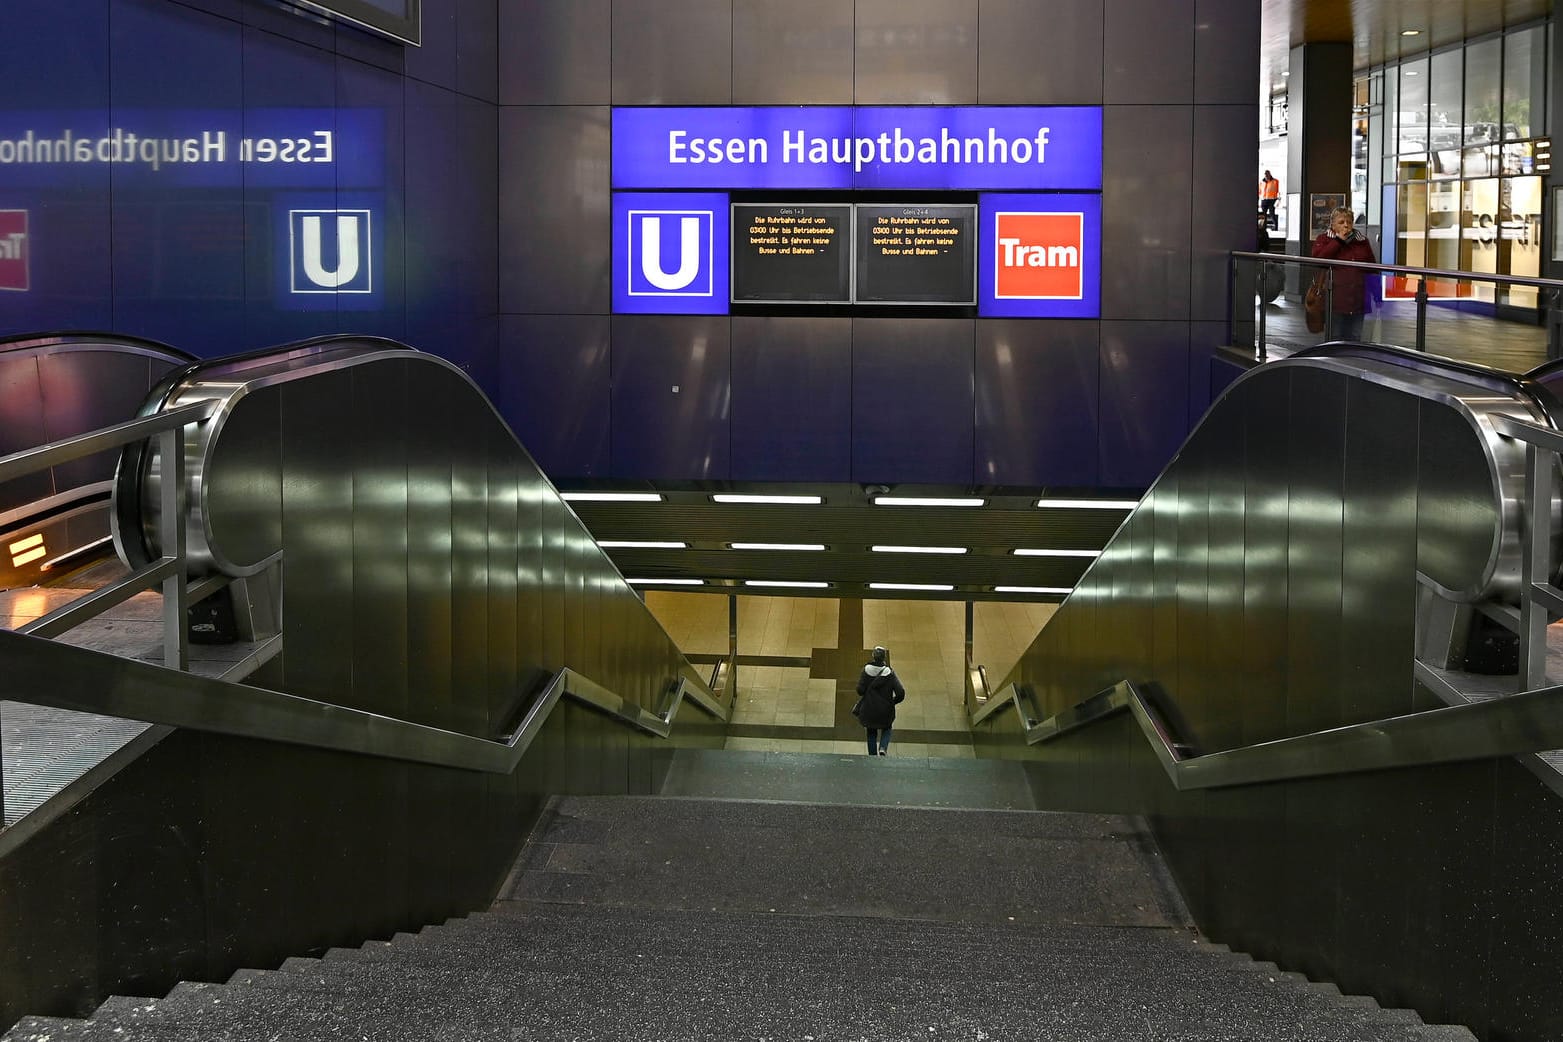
<point x="879" y="691"/>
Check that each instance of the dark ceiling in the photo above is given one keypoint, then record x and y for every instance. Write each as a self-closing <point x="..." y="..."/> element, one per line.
<point x="1374" y="27"/>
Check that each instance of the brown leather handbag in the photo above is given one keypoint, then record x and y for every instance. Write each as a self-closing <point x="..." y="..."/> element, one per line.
<point x="1313" y="304"/>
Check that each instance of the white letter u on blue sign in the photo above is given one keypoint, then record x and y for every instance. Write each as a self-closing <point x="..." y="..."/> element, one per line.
<point x="351" y="272"/>
<point x="649" y="271"/>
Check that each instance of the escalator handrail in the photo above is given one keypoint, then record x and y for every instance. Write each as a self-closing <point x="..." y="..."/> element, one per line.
<point x="89" y="339"/>
<point x="1528" y="722"/>
<point x="47" y="673"/>
<point x="130" y="474"/>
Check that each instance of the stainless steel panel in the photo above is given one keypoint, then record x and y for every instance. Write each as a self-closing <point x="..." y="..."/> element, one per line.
<point x="504" y="578"/>
<point x="1224" y="35"/>
<point x="1148" y="53"/>
<point x="1314" y="605"/>
<point x="317" y="503"/>
<point x="554" y="213"/>
<point x="555" y="52"/>
<point x="1378" y="552"/>
<point x="792" y="52"/>
<point x="1041" y="54"/>
<point x="472" y="588"/>
<point x="1223" y="212"/>
<point x="380" y="548"/>
<point x="1147" y="210"/>
<point x="672" y="52"/>
<point x="916" y="52"/>
<point x="1276" y="562"/>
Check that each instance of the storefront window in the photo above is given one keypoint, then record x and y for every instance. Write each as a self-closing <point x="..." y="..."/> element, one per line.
<point x="1413" y="106"/>
<point x="1519" y="222"/>
<point x="1455" y="140"/>
<point x="1411" y="226"/>
<point x="1524" y="81"/>
<point x="1479" y="232"/>
<point x="1445" y="87"/>
<point x="1482" y="111"/>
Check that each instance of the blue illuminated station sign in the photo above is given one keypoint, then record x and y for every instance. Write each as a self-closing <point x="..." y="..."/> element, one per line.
<point x="668" y="226"/>
<point x="972" y="148"/>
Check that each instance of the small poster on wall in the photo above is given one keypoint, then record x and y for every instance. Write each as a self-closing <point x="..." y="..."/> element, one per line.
<point x="1557" y="231"/>
<point x="1320" y="205"/>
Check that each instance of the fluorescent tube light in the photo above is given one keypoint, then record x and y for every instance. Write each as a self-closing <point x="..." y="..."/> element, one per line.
<point x="641" y="544"/>
<point x="788" y="583"/>
<point x="666" y="582"/>
<point x="740" y="497"/>
<point x="941" y="587"/>
<point x="1089" y="504"/>
<point x="1033" y="589"/>
<point x="1031" y="552"/>
<point x="926" y="501"/>
<point x="918" y="549"/>
<point x="611" y="497"/>
<point x="777" y="546"/>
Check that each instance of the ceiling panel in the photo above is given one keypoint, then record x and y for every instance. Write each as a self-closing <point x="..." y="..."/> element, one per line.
<point x="1374" y="27"/>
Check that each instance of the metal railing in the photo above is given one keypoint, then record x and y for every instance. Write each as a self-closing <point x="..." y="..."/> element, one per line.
<point x="1549" y="293"/>
<point x="167" y="570"/>
<point x="129" y="689"/>
<point x="1529" y="722"/>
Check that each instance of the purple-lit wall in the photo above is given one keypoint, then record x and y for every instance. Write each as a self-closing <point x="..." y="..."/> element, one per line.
<point x="880" y="398"/>
<point x="195" y="254"/>
<point x="483" y="158"/>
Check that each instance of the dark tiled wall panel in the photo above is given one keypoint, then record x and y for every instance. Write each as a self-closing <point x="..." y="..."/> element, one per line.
<point x="491" y="172"/>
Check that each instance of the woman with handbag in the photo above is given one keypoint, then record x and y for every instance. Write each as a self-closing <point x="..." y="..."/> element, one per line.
<point x="879" y="692"/>
<point x="1349" y="297"/>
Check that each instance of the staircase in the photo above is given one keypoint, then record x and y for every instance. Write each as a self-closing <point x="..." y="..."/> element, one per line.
<point x="687" y="917"/>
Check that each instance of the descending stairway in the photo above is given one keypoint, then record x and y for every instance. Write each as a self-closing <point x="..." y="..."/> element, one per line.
<point x="684" y="918"/>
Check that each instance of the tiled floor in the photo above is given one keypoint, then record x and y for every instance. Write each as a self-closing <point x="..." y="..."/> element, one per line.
<point x="927" y="648"/>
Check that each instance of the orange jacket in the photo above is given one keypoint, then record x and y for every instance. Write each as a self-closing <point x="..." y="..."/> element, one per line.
<point x="1270" y="189"/>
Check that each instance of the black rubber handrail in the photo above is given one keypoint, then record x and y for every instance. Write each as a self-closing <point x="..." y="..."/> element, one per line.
<point x="131" y="472"/>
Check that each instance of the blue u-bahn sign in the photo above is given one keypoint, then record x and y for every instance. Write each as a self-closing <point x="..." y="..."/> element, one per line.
<point x="974" y="148"/>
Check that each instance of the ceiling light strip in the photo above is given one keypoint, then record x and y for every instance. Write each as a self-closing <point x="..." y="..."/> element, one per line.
<point x="936" y="587"/>
<point x="777" y="546"/>
<point x="666" y="582"/>
<point x="611" y="497"/>
<point x="737" y="497"/>
<point x="919" y="549"/>
<point x="1027" y="551"/>
<point x="926" y="501"/>
<point x="789" y="583"/>
<point x="1088" y="504"/>
<point x="1033" y="589"/>
<point x="640" y="544"/>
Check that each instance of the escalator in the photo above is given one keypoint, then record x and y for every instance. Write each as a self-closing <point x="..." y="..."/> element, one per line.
<point x="1244" y="709"/>
<point x="1284" y="658"/>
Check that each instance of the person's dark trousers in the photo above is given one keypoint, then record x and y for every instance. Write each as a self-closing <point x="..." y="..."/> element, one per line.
<point x="878" y="741"/>
<point x="1345" y="327"/>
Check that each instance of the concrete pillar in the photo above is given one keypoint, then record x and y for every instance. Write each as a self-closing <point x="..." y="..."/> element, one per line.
<point x="1318" y="133"/>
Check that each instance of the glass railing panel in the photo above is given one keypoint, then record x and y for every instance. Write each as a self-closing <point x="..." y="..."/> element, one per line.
<point x="1470" y="316"/>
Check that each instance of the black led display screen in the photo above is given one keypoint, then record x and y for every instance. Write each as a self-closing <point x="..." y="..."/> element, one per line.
<point x="785" y="254"/>
<point x="916" y="254"/>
